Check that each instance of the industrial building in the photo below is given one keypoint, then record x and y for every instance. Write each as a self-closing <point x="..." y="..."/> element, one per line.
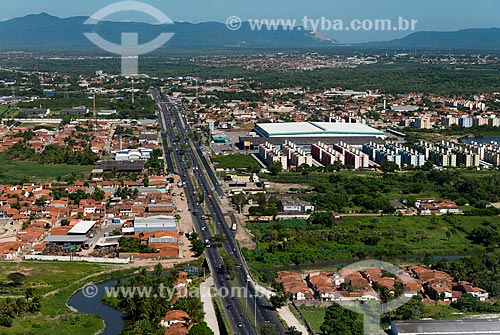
<point x="152" y="223"/>
<point x="290" y="205"/>
<point x="82" y="228"/>
<point x="307" y="133"/>
<point x="132" y="154"/>
<point x="446" y="327"/>
<point x="75" y="111"/>
<point x="36" y="112"/>
<point x="317" y="129"/>
<point x="119" y="166"/>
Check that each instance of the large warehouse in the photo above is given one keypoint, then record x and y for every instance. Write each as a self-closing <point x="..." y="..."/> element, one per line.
<point x="316" y="129"/>
<point x="313" y="132"/>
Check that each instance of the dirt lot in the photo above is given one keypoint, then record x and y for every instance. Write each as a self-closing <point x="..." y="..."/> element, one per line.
<point x="186" y="222"/>
<point x="8" y="230"/>
<point x="284" y="188"/>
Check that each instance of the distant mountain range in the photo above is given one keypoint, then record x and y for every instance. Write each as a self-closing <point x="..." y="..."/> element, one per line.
<point x="46" y="31"/>
<point x="479" y="39"/>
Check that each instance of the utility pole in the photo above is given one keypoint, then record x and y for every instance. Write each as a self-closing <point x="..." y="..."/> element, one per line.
<point x="65" y="88"/>
<point x="197" y="92"/>
<point x="133" y="92"/>
<point x="95" y="113"/>
<point x="255" y="308"/>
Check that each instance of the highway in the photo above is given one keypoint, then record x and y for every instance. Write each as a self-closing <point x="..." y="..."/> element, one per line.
<point x="259" y="307"/>
<point x="232" y="307"/>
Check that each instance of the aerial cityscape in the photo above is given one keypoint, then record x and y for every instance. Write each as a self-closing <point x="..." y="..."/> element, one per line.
<point x="249" y="175"/>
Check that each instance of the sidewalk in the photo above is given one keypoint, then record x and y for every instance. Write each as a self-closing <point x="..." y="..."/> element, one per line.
<point x="208" y="306"/>
<point x="291" y="320"/>
<point x="284" y="312"/>
<point x="262" y="290"/>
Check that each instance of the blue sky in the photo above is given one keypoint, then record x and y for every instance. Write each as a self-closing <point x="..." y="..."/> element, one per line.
<point x="444" y="15"/>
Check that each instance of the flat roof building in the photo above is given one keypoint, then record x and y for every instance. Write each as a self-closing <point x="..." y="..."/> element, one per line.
<point x="66" y="239"/>
<point x="154" y="223"/>
<point x="36" y="111"/>
<point x="120" y="166"/>
<point x="82" y="228"/>
<point x="316" y="129"/>
<point x="446" y="327"/>
<point x="75" y="111"/>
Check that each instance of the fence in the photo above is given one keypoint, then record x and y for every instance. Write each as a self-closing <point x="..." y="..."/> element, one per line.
<point x="77" y="259"/>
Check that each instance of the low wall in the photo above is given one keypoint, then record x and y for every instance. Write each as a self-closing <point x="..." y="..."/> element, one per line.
<point x="77" y="259"/>
<point x="313" y="303"/>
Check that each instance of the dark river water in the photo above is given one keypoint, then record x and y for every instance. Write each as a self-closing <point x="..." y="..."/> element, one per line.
<point x="113" y="318"/>
<point x="482" y="140"/>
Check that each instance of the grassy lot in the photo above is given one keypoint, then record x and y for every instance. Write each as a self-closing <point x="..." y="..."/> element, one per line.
<point x="11" y="170"/>
<point x="293" y="244"/>
<point x="7" y="112"/>
<point x="45" y="277"/>
<point x="238" y="162"/>
<point x="55" y="282"/>
<point x="314" y="315"/>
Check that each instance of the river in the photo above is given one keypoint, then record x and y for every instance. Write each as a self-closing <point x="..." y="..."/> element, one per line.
<point x="486" y="139"/>
<point x="114" y="319"/>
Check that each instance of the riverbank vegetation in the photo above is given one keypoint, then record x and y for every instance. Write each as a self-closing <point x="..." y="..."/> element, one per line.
<point x="150" y="296"/>
<point x="296" y="244"/>
<point x="44" y="289"/>
<point x="366" y="192"/>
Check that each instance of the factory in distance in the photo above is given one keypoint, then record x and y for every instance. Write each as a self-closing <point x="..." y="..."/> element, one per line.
<point x="308" y="133"/>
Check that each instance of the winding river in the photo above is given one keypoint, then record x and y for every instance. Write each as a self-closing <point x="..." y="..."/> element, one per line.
<point x="93" y="305"/>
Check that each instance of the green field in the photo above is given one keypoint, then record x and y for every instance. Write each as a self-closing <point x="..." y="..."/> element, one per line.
<point x="55" y="283"/>
<point x="314" y="315"/>
<point x="7" y="112"/>
<point x="371" y="193"/>
<point x="238" y="162"/>
<point x="15" y="171"/>
<point x="296" y="244"/>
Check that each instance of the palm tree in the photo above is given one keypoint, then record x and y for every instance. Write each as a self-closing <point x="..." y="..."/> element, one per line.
<point x="158" y="270"/>
<point x="219" y="239"/>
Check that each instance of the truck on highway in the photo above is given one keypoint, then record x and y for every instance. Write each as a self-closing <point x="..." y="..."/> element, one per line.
<point x="234" y="227"/>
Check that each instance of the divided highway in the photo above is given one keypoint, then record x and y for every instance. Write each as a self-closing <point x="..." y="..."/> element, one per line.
<point x="236" y="313"/>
